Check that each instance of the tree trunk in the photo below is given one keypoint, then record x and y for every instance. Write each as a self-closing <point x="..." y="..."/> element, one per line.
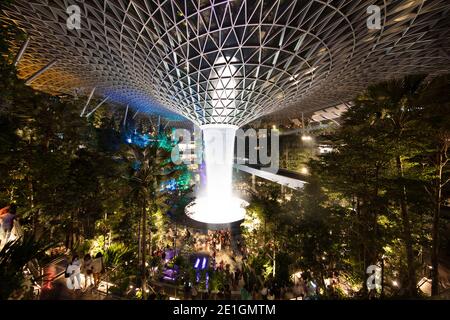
<point x="70" y="232"/>
<point x="411" y="286"/>
<point x="34" y="212"/>
<point x="274" y="271"/>
<point x="362" y="247"/>
<point x="139" y="240"/>
<point x="175" y="239"/>
<point x="435" y="228"/>
<point x="150" y="249"/>
<point x="144" y="247"/>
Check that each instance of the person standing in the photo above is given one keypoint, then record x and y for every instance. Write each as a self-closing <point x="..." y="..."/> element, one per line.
<point x="73" y="277"/>
<point x="87" y="269"/>
<point x="270" y="295"/>
<point x="264" y="292"/>
<point x="245" y="295"/>
<point x="227" y="292"/>
<point x="194" y="293"/>
<point x="97" y="268"/>
<point x="7" y="217"/>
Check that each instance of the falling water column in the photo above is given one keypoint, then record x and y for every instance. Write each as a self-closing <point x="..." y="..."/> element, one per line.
<point x="218" y="156"/>
<point x="216" y="203"/>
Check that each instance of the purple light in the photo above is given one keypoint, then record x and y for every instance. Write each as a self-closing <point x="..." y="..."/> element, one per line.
<point x="197" y="262"/>
<point x="204" y="264"/>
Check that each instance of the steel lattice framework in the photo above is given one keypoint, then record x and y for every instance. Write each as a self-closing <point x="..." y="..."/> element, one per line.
<point x="229" y="61"/>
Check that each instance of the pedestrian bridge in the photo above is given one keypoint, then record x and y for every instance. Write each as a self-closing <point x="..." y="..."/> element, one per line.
<point x="281" y="177"/>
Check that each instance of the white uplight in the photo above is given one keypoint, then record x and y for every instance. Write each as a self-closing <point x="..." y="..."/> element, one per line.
<point x="212" y="212"/>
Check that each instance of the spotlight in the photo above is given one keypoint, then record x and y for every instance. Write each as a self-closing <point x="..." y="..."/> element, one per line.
<point x="304" y="170"/>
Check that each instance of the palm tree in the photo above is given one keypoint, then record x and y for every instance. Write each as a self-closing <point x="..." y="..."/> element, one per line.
<point x="152" y="166"/>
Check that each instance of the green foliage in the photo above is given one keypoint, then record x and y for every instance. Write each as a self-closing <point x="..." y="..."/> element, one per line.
<point x="373" y="183"/>
<point x="14" y="256"/>
<point x="83" y="247"/>
<point x="116" y="254"/>
<point x="372" y="198"/>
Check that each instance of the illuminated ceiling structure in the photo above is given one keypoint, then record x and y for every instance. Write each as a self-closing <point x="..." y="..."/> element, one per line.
<point x="229" y="61"/>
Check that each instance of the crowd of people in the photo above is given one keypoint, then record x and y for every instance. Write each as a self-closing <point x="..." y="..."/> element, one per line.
<point x="240" y="277"/>
<point x="217" y="241"/>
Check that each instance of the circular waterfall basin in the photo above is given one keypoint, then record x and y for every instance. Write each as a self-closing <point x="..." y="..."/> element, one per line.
<point x="218" y="211"/>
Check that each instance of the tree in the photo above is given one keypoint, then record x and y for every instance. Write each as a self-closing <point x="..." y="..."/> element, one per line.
<point x="150" y="167"/>
<point x="434" y="104"/>
<point x="391" y="142"/>
<point x="393" y="103"/>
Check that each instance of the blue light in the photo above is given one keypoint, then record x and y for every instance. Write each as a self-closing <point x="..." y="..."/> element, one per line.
<point x="170" y="185"/>
<point x="142" y="103"/>
<point x="140" y="140"/>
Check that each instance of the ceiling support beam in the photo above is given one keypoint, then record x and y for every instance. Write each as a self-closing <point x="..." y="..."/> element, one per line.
<point x="98" y="106"/>
<point x="126" y="116"/>
<point x="88" y="102"/>
<point x="21" y="52"/>
<point x="40" y="72"/>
